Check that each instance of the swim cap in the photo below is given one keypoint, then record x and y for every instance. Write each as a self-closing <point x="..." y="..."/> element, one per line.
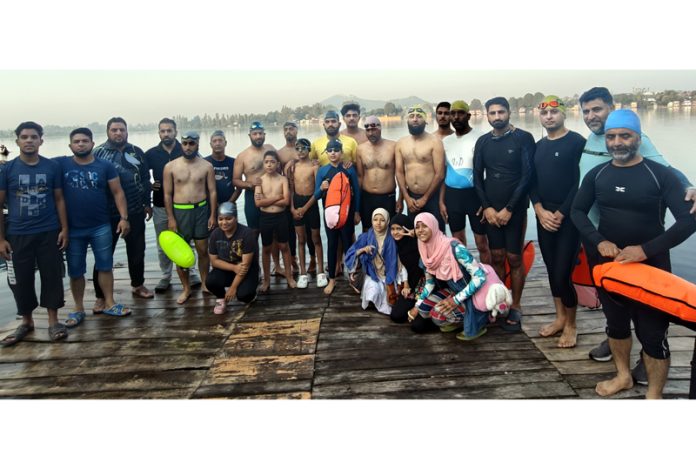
<point x="256" y="125"/>
<point x="190" y="135"/>
<point x="417" y="109"/>
<point x="304" y="142"/>
<point x="217" y="133"/>
<point x="227" y="208"/>
<point x="554" y="102"/>
<point x="459" y="105"/>
<point x="334" y="145"/>
<point x="290" y="124"/>
<point x="623" y="119"/>
<point x="331" y="115"/>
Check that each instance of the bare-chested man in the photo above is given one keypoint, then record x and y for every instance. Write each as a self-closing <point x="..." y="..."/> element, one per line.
<point x="305" y="212"/>
<point x="443" y="119"/>
<point x="272" y="197"/>
<point x="287" y="153"/>
<point x="376" y="171"/>
<point x="188" y="181"/>
<point x="351" y="116"/>
<point x="420" y="167"/>
<point x="249" y="164"/>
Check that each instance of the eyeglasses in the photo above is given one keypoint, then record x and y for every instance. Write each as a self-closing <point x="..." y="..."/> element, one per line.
<point x="372" y="125"/>
<point x="554" y="103"/>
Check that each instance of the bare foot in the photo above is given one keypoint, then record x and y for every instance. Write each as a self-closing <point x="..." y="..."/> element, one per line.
<point x="277" y="272"/>
<point x="330" y="287"/>
<point x="552" y="329"/>
<point x="292" y="283"/>
<point x="569" y="337"/>
<point x="185" y="295"/>
<point x="614" y="385"/>
<point x="265" y="286"/>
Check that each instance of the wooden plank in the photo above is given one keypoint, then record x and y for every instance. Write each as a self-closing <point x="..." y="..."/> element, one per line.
<point x="261" y="369"/>
<point x="252" y="389"/>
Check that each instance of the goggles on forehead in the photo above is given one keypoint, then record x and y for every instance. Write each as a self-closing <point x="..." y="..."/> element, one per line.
<point x="554" y="103"/>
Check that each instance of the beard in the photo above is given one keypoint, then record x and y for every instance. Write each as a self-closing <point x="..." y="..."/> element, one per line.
<point x="167" y="141"/>
<point x="258" y="143"/>
<point x="624" y="153"/>
<point x="82" y="154"/>
<point x="499" y="125"/>
<point x="416" y="130"/>
<point x="331" y="131"/>
<point x="191" y="156"/>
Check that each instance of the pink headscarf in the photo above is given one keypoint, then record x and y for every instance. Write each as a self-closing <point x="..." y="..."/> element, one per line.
<point x="437" y="254"/>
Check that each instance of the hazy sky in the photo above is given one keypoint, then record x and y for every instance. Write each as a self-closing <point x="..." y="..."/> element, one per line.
<point x="81" y="97"/>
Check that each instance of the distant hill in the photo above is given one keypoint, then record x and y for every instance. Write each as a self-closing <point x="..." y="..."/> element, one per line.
<point x="338" y="100"/>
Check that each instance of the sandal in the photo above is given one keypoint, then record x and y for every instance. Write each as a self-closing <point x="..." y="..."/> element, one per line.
<point x="17" y="336"/>
<point x="220" y="307"/>
<point x="76" y="317"/>
<point x="57" y="332"/>
<point x="512" y="322"/>
<point x="117" y="310"/>
<point x="466" y="338"/>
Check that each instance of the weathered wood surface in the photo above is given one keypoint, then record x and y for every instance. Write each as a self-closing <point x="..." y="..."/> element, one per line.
<point x="304" y="345"/>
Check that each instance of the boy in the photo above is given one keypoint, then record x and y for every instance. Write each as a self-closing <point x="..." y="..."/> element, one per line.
<point x="305" y="211"/>
<point x="272" y="197"/>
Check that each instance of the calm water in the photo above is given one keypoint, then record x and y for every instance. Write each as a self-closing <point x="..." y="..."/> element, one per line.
<point x="672" y="132"/>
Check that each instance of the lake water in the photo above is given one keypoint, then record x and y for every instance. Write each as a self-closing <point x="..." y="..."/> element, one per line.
<point x="672" y="131"/>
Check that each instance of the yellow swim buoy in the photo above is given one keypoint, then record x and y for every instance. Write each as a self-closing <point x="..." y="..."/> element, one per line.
<point x="177" y="249"/>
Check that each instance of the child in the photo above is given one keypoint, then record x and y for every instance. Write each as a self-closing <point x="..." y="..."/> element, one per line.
<point x="334" y="149"/>
<point x="305" y="211"/>
<point x="272" y="197"/>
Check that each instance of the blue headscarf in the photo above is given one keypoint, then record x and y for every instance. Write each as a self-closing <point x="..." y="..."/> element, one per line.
<point x="389" y="253"/>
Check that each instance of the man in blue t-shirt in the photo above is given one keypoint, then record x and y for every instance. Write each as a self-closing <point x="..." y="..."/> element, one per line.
<point x="87" y="181"/>
<point x="37" y="231"/>
<point x="223" y="166"/>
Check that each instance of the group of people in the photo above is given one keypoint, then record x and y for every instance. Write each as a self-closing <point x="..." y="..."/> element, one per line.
<point x="608" y="192"/>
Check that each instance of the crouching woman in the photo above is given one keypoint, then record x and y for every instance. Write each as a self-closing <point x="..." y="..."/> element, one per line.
<point x="234" y="257"/>
<point x="376" y="252"/>
<point x="452" y="276"/>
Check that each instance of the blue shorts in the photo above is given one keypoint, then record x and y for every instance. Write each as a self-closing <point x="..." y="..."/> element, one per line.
<point x="99" y="238"/>
<point x="251" y="211"/>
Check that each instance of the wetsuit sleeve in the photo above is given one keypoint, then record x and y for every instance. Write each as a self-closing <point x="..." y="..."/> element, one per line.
<point x="684" y="225"/>
<point x="522" y="189"/>
<point x="317" y="183"/>
<point x="478" y="275"/>
<point x="533" y="185"/>
<point x="681" y="177"/>
<point x="568" y="202"/>
<point x="478" y="172"/>
<point x="582" y="204"/>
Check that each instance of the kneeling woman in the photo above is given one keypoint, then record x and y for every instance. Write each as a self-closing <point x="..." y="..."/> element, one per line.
<point x="376" y="252"/>
<point x="452" y="276"/>
<point x="234" y="257"/>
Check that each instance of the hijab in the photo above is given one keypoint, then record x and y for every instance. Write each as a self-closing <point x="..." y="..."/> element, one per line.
<point x="382" y="261"/>
<point x="407" y="247"/>
<point x="437" y="254"/>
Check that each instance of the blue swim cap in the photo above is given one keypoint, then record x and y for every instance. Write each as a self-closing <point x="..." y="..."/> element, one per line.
<point x="623" y="119"/>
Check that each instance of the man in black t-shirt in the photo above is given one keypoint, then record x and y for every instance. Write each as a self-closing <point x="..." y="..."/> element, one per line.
<point x="234" y="253"/>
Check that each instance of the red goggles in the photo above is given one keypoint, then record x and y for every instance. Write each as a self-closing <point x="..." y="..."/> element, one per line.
<point x="554" y="103"/>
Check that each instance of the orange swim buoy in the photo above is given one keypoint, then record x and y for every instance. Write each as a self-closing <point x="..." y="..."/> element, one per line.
<point x="650" y="286"/>
<point x="527" y="260"/>
<point x="583" y="284"/>
<point x="337" y="202"/>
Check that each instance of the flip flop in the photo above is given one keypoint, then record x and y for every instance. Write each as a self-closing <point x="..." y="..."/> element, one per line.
<point x="57" y="332"/>
<point x="117" y="310"/>
<point x="77" y="317"/>
<point x="467" y="338"/>
<point x="17" y="336"/>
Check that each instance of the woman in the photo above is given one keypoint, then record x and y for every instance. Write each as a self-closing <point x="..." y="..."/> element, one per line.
<point x="452" y="276"/>
<point x="376" y="252"/>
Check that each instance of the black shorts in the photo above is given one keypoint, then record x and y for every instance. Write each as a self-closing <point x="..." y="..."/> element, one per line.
<point x="463" y="203"/>
<point x="511" y="236"/>
<point x="273" y="225"/>
<point x="192" y="223"/>
<point x="311" y="219"/>
<point x="432" y="206"/>
<point x="369" y="202"/>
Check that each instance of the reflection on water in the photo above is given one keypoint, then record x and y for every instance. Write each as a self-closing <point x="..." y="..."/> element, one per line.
<point x="672" y="131"/>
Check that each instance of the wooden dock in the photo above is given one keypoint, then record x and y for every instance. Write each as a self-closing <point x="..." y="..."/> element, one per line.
<point x="303" y="345"/>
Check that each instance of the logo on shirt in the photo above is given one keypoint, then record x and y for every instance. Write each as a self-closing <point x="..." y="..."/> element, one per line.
<point x="557" y="154"/>
<point x="84" y="180"/>
<point x="620" y="189"/>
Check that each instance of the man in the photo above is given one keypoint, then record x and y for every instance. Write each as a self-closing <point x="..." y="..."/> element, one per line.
<point x="556" y="165"/>
<point x="505" y="155"/>
<point x="420" y="167"/>
<point x="134" y="177"/>
<point x="37" y="232"/>
<point x="458" y="198"/>
<point x="287" y="152"/>
<point x="443" y="119"/>
<point x="376" y="167"/>
<point x="596" y="104"/>
<point x="351" y="116"/>
<point x="87" y="181"/>
<point x="630" y="193"/>
<point x="223" y="166"/>
<point x="332" y="126"/>
<point x="157" y="157"/>
<point x="249" y="165"/>
<point x="188" y="182"/>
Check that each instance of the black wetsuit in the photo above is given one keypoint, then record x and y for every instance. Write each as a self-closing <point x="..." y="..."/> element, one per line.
<point x="507" y="161"/>
<point x="555" y="183"/>
<point x="632" y="202"/>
